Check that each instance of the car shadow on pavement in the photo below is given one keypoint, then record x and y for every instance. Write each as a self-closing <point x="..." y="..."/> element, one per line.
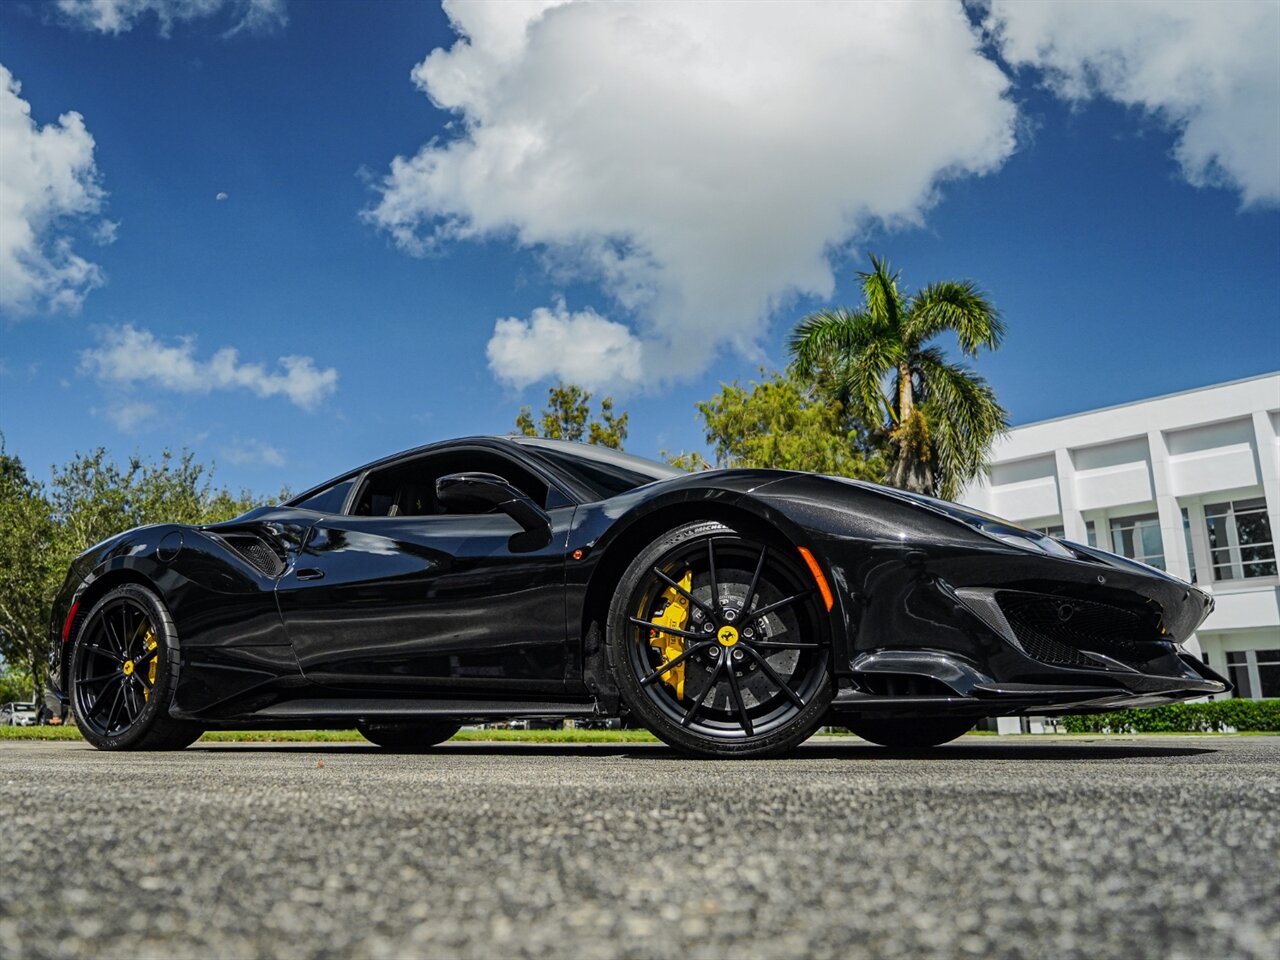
<point x="854" y="750"/>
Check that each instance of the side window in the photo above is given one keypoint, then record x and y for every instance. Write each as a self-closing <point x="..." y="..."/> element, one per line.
<point x="409" y="489"/>
<point x="330" y="499"/>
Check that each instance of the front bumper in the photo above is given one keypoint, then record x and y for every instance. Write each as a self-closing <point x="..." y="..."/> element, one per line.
<point x="926" y="682"/>
<point x="1001" y="631"/>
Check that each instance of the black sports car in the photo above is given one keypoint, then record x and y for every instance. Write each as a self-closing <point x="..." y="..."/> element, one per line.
<point x="731" y="612"/>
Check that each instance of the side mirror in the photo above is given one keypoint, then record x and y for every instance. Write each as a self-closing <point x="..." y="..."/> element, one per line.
<point x="482" y="492"/>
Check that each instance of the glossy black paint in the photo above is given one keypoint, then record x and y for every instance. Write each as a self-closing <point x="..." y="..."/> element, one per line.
<point x="311" y="613"/>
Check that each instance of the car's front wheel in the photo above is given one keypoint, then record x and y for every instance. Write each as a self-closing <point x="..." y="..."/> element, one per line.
<point x="910" y="733"/>
<point x="123" y="672"/>
<point x="408" y="737"/>
<point x="719" y="645"/>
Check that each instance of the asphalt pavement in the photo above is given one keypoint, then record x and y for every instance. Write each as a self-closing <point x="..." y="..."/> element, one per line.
<point x="1013" y="847"/>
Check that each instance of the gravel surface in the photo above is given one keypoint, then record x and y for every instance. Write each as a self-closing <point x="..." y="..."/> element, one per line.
<point x="1052" y="847"/>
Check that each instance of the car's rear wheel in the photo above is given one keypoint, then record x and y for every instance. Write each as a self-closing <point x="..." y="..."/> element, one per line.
<point x="408" y="737"/>
<point x="910" y="733"/>
<point x="719" y="644"/>
<point x="124" y="667"/>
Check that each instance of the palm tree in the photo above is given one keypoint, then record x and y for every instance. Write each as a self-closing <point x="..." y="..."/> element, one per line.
<point x="941" y="417"/>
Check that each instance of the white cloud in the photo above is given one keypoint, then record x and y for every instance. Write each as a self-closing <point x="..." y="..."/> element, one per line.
<point x="220" y="196"/>
<point x="120" y="16"/>
<point x="583" y="348"/>
<point x="1209" y="69"/>
<point x="254" y="453"/>
<point x="129" y="356"/>
<point x="47" y="178"/>
<point x="700" y="160"/>
<point x="128" y="416"/>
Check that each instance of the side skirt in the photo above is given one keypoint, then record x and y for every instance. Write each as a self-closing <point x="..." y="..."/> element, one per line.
<point x="328" y="710"/>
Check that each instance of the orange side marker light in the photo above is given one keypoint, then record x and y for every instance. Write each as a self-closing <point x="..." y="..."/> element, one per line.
<point x="817" y="575"/>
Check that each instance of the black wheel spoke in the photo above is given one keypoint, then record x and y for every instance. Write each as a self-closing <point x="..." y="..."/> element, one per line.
<point x="675" y="662"/>
<point x="130" y="702"/>
<point x="146" y="655"/>
<point x="785" y="602"/>
<point x="101" y="676"/>
<point x="115" y="706"/>
<point x="783" y="645"/>
<point x="103" y="651"/>
<point x="736" y="692"/>
<point x="125" y="640"/>
<point x="681" y="590"/>
<point x="772" y="674"/>
<point x="687" y="634"/>
<point x="697" y="704"/>
<point x="755" y="582"/>
<point x="109" y="632"/>
<point x="101" y="700"/>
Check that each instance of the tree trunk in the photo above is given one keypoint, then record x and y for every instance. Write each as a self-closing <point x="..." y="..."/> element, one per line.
<point x="913" y="467"/>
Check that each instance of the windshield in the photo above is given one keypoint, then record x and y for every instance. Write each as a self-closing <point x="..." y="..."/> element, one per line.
<point x="600" y="471"/>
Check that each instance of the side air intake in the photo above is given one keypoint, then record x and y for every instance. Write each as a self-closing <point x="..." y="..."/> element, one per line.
<point x="260" y="552"/>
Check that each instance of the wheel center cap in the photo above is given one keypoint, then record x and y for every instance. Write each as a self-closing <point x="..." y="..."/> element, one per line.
<point x="727" y="636"/>
<point x="128" y="668"/>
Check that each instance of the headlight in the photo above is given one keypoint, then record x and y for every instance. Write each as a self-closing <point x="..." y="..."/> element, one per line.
<point x="1028" y="541"/>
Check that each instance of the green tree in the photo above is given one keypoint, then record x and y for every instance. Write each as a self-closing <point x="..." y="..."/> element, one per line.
<point x="940" y="417"/>
<point x="89" y="499"/>
<point x="786" y="422"/>
<point x="567" y="416"/>
<point x="29" y="572"/>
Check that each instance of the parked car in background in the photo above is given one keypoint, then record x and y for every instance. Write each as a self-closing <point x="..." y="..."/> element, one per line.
<point x="18" y="715"/>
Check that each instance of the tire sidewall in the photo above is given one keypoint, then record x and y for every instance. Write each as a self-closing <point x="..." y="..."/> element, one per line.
<point x="157" y="703"/>
<point x="408" y="737"/>
<point x="619" y="630"/>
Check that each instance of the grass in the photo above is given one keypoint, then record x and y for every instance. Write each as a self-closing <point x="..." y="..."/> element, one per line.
<point x="353" y="736"/>
<point x="490" y="736"/>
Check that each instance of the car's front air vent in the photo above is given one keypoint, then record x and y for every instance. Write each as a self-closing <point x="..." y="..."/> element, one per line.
<point x="258" y="551"/>
<point x="1056" y="629"/>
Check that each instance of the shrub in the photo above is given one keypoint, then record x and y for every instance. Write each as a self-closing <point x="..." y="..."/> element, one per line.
<point x="1214" y="716"/>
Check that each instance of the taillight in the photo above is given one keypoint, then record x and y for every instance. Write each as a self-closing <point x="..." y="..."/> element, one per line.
<point x="71" y="618"/>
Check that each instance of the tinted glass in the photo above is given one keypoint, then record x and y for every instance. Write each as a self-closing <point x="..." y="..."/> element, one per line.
<point x="601" y="471"/>
<point x="407" y="489"/>
<point x="328" y="500"/>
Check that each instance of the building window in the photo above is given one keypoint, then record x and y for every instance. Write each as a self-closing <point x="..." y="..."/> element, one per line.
<point x="1091" y="532"/>
<point x="1238" y="673"/>
<point x="1254" y="673"/>
<point x="1268" y="672"/>
<point x="1138" y="538"/>
<point x="1191" y="554"/>
<point x="1240" y="539"/>
<point x="1057" y="532"/>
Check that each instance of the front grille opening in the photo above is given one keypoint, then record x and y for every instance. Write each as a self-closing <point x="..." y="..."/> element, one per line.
<point x="1056" y="629"/>
<point x="903" y="685"/>
<point x="260" y="552"/>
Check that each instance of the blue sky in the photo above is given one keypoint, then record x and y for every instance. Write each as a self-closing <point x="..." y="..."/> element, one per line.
<point x="1131" y="252"/>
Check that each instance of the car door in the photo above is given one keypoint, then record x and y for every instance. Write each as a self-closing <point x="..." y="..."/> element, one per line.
<point x="399" y="594"/>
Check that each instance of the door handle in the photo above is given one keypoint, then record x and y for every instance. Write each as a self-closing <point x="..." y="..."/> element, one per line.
<point x="309" y="573"/>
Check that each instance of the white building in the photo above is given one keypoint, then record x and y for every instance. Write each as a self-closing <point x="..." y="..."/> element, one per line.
<point x="1188" y="482"/>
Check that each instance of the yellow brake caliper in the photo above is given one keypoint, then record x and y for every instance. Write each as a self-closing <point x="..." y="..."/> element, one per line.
<point x="675" y="615"/>
<point x="149" y="641"/>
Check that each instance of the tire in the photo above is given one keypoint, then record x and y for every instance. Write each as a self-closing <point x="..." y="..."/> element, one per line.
<point x="911" y="733"/>
<point x="124" y="669"/>
<point x="408" y="737"/>
<point x="708" y="693"/>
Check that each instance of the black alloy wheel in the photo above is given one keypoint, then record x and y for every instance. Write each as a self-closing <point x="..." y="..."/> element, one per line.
<point x="409" y="737"/>
<point x="719" y="643"/>
<point x="123" y="671"/>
